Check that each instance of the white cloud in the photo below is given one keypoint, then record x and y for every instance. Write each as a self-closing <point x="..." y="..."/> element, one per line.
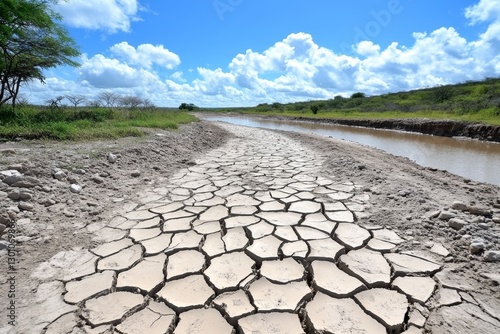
<point x="102" y="72"/>
<point x="108" y="15"/>
<point x="178" y="76"/>
<point x="296" y="68"/>
<point x="485" y="10"/>
<point x="146" y="55"/>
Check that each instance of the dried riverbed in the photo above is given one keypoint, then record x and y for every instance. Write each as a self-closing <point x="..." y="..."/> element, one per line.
<point x="215" y="229"/>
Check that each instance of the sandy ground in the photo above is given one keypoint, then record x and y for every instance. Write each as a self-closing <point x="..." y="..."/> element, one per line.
<point x="403" y="196"/>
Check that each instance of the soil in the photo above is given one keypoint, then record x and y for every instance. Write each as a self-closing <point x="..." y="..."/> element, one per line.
<point x="404" y="196"/>
<point x="444" y="128"/>
<point x="47" y="230"/>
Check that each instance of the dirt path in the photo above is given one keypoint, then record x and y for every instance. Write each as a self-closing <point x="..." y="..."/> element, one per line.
<point x="270" y="232"/>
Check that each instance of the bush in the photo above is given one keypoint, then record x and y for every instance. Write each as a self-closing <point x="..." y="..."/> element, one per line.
<point x="314" y="109"/>
<point x="358" y="95"/>
<point x="95" y="115"/>
<point x="443" y="93"/>
<point x="187" y="106"/>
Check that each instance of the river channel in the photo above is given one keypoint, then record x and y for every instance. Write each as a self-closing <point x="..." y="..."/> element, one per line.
<point x="472" y="159"/>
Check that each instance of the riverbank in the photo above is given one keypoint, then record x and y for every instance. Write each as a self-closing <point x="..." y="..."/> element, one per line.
<point x="435" y="127"/>
<point x="419" y="204"/>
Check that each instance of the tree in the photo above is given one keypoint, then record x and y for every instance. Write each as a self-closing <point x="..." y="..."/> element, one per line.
<point x="358" y="95"/>
<point x="132" y="102"/>
<point x="187" y="106"/>
<point x="76" y="99"/>
<point x="314" y="109"/>
<point x="55" y="103"/>
<point x="108" y="99"/>
<point x="94" y="104"/>
<point x="31" y="40"/>
<point x="148" y="104"/>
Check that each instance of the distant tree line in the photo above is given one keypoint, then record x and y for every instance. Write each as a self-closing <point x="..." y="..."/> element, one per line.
<point x="104" y="99"/>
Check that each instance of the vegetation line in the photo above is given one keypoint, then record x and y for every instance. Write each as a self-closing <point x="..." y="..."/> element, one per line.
<point x="472" y="101"/>
<point x="85" y="123"/>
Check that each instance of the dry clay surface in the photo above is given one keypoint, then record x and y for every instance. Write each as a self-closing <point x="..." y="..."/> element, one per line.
<point x="257" y="237"/>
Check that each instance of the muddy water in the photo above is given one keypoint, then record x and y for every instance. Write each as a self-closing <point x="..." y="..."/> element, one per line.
<point x="479" y="161"/>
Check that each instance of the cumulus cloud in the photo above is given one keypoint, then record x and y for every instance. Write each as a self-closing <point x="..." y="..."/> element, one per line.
<point x="146" y="55"/>
<point x="485" y="10"/>
<point x="108" y="15"/>
<point x="297" y="68"/>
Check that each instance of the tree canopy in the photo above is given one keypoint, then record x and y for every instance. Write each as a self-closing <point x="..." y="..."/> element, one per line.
<point x="31" y="40"/>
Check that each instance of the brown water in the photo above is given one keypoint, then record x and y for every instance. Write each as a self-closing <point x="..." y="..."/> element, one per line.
<point x="475" y="160"/>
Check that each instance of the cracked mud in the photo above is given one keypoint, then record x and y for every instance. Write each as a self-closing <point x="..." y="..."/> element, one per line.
<point x="250" y="239"/>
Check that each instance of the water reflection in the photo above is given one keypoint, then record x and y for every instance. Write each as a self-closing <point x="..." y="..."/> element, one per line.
<point x="472" y="159"/>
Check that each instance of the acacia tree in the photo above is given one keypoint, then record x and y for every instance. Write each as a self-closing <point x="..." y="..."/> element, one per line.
<point x="108" y="99"/>
<point x="132" y="102"/>
<point x="31" y="40"/>
<point x="76" y="99"/>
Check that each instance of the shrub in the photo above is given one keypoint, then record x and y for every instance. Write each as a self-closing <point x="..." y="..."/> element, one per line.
<point x="187" y="106"/>
<point x="443" y="93"/>
<point x="358" y="95"/>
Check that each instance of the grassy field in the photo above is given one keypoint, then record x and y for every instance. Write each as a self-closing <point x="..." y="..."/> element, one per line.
<point x="476" y="102"/>
<point x="85" y="123"/>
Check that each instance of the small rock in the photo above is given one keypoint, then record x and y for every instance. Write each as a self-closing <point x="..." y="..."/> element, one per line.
<point x="75" y="188"/>
<point x="495" y="278"/>
<point x="112" y="158"/>
<point x="97" y="179"/>
<point x="14" y="195"/>
<point x="18" y="167"/>
<point x="4" y="220"/>
<point x="25" y="206"/>
<point x="456" y="223"/>
<point x="479" y="211"/>
<point x="496" y="219"/>
<point x="49" y="202"/>
<point x="484" y="226"/>
<point x="59" y="175"/>
<point x="7" y="151"/>
<point x="2" y="228"/>
<point x="492" y="256"/>
<point x="26" y="182"/>
<point x="79" y="171"/>
<point x="446" y="215"/>
<point x="11" y="176"/>
<point x="25" y="195"/>
<point x="457" y="205"/>
<point x="22" y="238"/>
<point x="68" y="214"/>
<point x="432" y="214"/>
<point x="476" y="246"/>
<point x="12" y="214"/>
<point x="73" y="179"/>
<point x="135" y="173"/>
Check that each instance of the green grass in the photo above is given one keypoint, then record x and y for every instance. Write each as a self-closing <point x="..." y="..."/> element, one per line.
<point x="484" y="116"/>
<point x="475" y="102"/>
<point x="85" y="123"/>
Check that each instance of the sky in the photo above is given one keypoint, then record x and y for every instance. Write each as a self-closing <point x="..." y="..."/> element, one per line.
<point x="230" y="53"/>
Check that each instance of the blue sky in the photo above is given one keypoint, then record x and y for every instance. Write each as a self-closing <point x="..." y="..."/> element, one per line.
<point x="217" y="53"/>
